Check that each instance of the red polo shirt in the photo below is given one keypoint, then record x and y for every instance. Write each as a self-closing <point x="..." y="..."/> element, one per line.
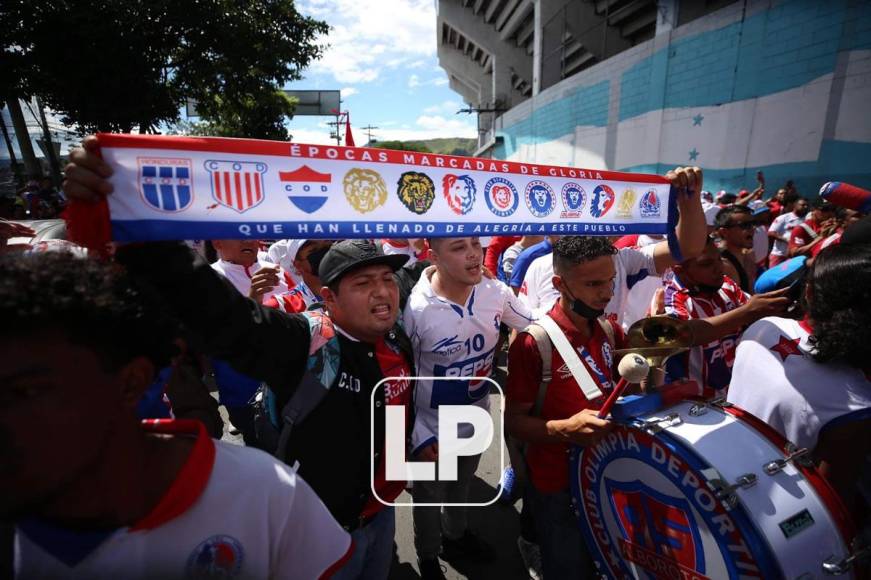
<point x="548" y="462"/>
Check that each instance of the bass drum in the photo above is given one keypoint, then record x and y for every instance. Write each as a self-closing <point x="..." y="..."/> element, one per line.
<point x="699" y="490"/>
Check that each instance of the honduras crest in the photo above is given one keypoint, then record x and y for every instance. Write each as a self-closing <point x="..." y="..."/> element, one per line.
<point x="237" y="185"/>
<point x="165" y="183"/>
<point x="603" y="200"/>
<point x="308" y="188"/>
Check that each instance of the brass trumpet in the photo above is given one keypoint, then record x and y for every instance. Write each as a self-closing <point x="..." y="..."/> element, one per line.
<point x="657" y="338"/>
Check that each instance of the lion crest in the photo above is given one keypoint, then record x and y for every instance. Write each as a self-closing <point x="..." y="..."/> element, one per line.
<point x="416" y="191"/>
<point x="364" y="189"/>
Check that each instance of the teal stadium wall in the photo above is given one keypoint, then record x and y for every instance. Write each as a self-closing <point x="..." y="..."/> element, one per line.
<point x="782" y="87"/>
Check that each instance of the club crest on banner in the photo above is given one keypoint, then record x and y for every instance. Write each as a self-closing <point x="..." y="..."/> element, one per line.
<point x="650" y="204"/>
<point x="216" y="557"/>
<point x="539" y="198"/>
<point x="237" y="185"/>
<point x="459" y="192"/>
<point x="574" y="199"/>
<point x="624" y="206"/>
<point x="416" y="191"/>
<point x="364" y="189"/>
<point x="308" y="188"/>
<point x="165" y="183"/>
<point x="602" y="201"/>
<point x="501" y="196"/>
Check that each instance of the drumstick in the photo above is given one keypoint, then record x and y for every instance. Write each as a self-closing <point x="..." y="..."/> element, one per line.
<point x="633" y="368"/>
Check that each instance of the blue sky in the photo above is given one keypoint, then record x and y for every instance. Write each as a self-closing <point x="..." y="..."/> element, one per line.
<point x="382" y="56"/>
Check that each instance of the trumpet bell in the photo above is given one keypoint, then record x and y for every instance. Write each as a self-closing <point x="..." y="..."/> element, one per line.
<point x="660" y="333"/>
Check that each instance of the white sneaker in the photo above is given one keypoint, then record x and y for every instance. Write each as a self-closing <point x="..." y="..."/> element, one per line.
<point x="531" y="555"/>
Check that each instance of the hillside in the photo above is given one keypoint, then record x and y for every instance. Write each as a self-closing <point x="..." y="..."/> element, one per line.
<point x="447" y="146"/>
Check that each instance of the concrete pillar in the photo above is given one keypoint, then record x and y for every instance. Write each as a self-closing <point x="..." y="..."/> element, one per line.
<point x="666" y="15"/>
<point x="546" y="72"/>
<point x="31" y="166"/>
<point x="506" y="53"/>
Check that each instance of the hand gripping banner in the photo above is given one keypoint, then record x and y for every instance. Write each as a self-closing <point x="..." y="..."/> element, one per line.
<point x="215" y="188"/>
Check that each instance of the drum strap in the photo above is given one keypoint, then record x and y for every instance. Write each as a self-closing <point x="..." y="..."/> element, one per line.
<point x="588" y="385"/>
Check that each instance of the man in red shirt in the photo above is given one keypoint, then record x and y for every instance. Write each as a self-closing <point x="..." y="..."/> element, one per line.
<point x="820" y="225"/>
<point x="584" y="274"/>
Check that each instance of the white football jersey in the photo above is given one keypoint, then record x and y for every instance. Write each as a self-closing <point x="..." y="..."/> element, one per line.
<point x="632" y="266"/>
<point x="775" y="378"/>
<point x="233" y="512"/>
<point x="453" y="340"/>
<point x="782" y="226"/>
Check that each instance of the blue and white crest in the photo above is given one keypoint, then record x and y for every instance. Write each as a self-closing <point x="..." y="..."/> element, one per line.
<point x="165" y="183"/>
<point x="501" y="196"/>
<point x="459" y="192"/>
<point x="574" y="199"/>
<point x="650" y="204"/>
<point x="539" y="198"/>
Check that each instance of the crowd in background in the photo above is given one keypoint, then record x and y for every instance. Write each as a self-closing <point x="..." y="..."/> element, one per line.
<point x="248" y="308"/>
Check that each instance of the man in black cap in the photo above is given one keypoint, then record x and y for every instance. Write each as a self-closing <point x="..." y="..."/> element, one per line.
<point x="356" y="339"/>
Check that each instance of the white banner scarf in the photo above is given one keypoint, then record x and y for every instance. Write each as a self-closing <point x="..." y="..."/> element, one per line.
<point x="174" y="188"/>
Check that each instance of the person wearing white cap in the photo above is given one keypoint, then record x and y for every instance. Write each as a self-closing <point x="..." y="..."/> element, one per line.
<point x="300" y="258"/>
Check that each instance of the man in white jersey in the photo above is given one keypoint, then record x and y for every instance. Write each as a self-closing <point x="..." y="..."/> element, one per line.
<point x="809" y="379"/>
<point x="94" y="493"/>
<point x="239" y="261"/>
<point x="632" y="265"/>
<point x="452" y="317"/>
<point x="795" y="209"/>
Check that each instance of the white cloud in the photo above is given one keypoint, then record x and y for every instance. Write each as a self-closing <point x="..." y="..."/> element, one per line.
<point x="443" y="107"/>
<point x="312" y="136"/>
<point x="349" y="91"/>
<point x="440" y="82"/>
<point x="455" y="127"/>
<point x="413" y="82"/>
<point x="368" y="35"/>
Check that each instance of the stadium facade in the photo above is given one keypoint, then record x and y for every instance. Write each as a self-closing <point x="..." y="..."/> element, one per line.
<point x="640" y="85"/>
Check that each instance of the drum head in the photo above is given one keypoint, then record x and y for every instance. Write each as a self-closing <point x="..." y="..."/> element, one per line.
<point x="646" y="512"/>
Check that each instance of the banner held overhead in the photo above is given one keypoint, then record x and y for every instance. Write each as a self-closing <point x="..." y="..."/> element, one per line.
<point x="216" y="188"/>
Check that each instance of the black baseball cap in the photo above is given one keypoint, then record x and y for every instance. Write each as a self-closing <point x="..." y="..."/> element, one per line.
<point x="348" y="255"/>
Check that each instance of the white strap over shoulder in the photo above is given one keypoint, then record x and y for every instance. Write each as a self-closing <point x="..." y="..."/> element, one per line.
<point x="579" y="371"/>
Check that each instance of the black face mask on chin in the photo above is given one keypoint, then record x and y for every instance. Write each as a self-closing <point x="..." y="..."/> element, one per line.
<point x="582" y="309"/>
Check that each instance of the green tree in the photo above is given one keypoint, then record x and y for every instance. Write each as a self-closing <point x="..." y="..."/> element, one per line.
<point x="111" y="65"/>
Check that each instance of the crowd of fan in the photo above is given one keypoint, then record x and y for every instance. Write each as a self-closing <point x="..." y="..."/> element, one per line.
<point x="91" y="348"/>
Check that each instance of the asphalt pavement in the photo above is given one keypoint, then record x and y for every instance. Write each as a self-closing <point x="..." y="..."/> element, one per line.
<point x="496" y="525"/>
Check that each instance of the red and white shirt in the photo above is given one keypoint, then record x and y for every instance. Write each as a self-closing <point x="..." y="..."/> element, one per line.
<point x="710" y="365"/>
<point x="548" y="462"/>
<point x="803" y="234"/>
<point x="776" y="379"/>
<point x="232" y="512"/>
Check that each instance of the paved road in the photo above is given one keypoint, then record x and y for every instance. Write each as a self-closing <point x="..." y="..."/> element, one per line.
<point x="496" y="525"/>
